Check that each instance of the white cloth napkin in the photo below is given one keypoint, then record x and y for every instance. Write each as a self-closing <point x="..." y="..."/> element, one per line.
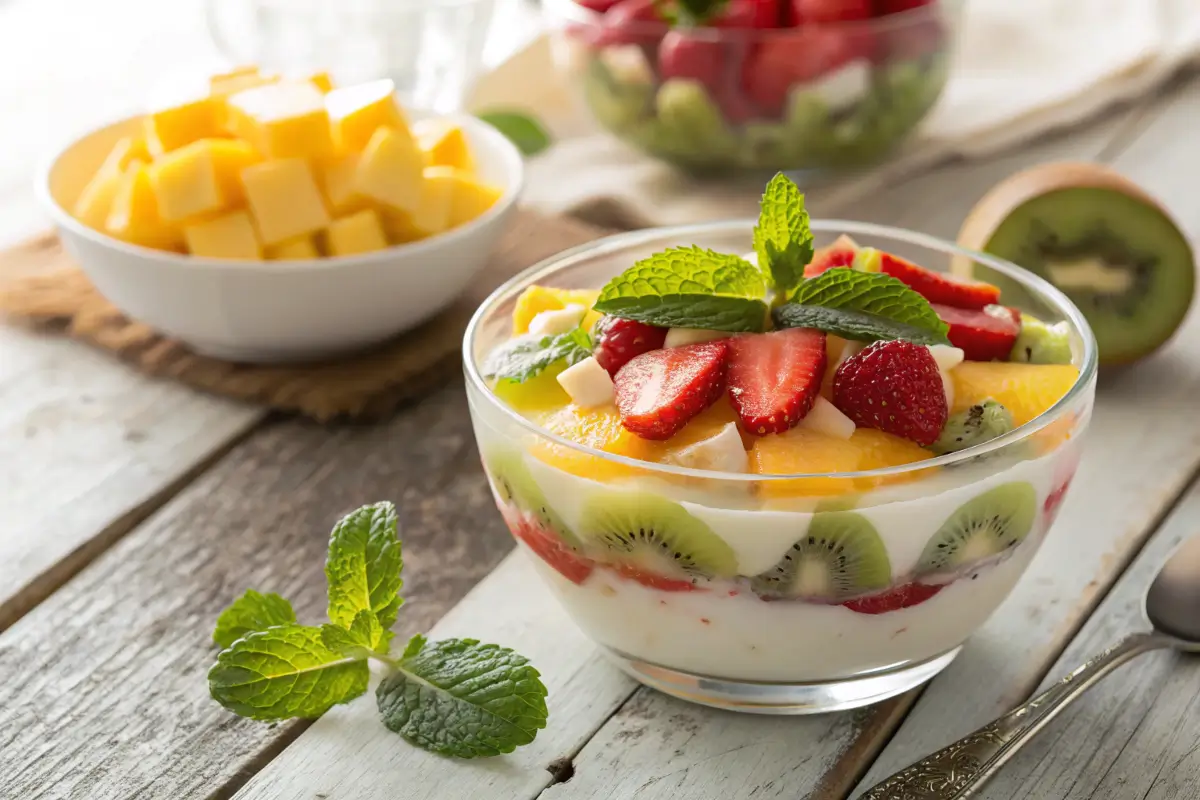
<point x="1021" y="68"/>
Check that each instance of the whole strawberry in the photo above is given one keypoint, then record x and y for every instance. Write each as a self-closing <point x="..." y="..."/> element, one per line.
<point x="895" y="387"/>
<point x="619" y="340"/>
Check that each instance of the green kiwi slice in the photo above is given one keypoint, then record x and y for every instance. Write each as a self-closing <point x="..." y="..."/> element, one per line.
<point x="1102" y="240"/>
<point x="983" y="527"/>
<point x="840" y="556"/>
<point x="980" y="423"/>
<point x="656" y="535"/>
<point x="1039" y="343"/>
<point x="514" y="485"/>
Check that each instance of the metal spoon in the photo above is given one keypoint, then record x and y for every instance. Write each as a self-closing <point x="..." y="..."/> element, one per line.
<point x="958" y="771"/>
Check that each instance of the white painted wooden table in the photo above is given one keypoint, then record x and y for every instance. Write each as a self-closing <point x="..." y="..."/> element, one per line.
<point x="134" y="509"/>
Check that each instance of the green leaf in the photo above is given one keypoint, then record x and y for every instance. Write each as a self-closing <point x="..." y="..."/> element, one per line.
<point x="521" y="129"/>
<point x="363" y="567"/>
<point x="249" y="613"/>
<point x="462" y="698"/>
<point x="527" y="356"/>
<point x="695" y="13"/>
<point x="689" y="287"/>
<point x="782" y="238"/>
<point x="864" y="306"/>
<point x="363" y="638"/>
<point x="284" y="672"/>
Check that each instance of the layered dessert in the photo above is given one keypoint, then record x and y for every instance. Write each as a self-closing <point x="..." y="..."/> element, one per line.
<point x="796" y="464"/>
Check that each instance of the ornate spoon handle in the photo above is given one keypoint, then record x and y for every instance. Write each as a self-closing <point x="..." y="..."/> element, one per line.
<point x="958" y="771"/>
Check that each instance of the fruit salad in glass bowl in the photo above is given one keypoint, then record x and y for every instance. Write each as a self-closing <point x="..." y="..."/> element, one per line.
<point x="780" y="466"/>
<point x="719" y="85"/>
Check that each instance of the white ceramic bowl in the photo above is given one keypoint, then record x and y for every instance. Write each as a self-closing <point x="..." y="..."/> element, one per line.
<point x="279" y="311"/>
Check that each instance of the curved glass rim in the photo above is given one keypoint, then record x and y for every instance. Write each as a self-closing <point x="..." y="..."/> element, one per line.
<point x="616" y="242"/>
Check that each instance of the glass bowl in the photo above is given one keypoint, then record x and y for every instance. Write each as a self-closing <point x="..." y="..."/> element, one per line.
<point x="816" y="97"/>
<point x="727" y="641"/>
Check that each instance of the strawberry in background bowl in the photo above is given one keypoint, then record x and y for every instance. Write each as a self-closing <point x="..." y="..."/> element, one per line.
<point x="719" y="85"/>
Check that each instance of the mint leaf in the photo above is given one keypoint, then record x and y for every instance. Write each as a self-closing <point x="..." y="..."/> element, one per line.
<point x="519" y="128"/>
<point x="527" y="356"/>
<point x="864" y="306"/>
<point x="249" y="613"/>
<point x="462" y="698"/>
<point x="284" y="672"/>
<point x="361" y="640"/>
<point x="363" y="567"/>
<point x="782" y="238"/>
<point x="689" y="287"/>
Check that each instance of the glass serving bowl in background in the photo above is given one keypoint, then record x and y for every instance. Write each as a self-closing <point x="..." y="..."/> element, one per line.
<point x="432" y="49"/>
<point x="722" y="642"/>
<point x="816" y="97"/>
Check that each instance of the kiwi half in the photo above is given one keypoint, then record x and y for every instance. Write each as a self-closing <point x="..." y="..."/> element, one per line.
<point x="514" y="485"/>
<point x="840" y="556"/>
<point x="983" y="527"/>
<point x="1098" y="237"/>
<point x="656" y="535"/>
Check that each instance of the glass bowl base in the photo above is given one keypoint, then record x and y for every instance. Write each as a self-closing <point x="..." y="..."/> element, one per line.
<point x="761" y="697"/>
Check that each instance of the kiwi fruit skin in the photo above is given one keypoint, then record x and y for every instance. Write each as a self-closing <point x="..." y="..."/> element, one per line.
<point x="1039" y="343"/>
<point x="647" y="528"/>
<point x="980" y="423"/>
<point x="514" y="485"/>
<point x="851" y="551"/>
<point x="1085" y="214"/>
<point x="985" y="526"/>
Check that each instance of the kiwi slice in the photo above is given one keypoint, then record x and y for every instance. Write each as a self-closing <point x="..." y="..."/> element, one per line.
<point x="840" y="556"/>
<point x="1098" y="237"/>
<point x="983" y="527"/>
<point x="655" y="535"/>
<point x="980" y="423"/>
<point x="514" y="485"/>
<point x="1040" y="343"/>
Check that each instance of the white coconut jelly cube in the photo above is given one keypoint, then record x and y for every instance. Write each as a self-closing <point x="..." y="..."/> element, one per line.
<point x="946" y="356"/>
<point x="844" y="87"/>
<point x="587" y="383"/>
<point x="722" y="453"/>
<point x="824" y="417"/>
<point x="678" y="337"/>
<point x="552" y="323"/>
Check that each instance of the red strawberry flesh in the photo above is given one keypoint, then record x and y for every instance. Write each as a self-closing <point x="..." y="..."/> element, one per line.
<point x="981" y="335"/>
<point x="653" y="580"/>
<point x="774" y="378"/>
<point x="895" y="387"/>
<point x="620" y="340"/>
<point x="937" y="287"/>
<point x="552" y="549"/>
<point x="659" y="391"/>
<point x="894" y="599"/>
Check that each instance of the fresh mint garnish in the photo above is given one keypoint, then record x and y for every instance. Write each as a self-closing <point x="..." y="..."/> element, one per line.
<point x="863" y="306"/>
<point x="456" y="697"/>
<point x="489" y="699"/>
<point x="520" y="128"/>
<point x="527" y="356"/>
<point x="689" y="287"/>
<point x="782" y="238"/>
<point x="249" y="613"/>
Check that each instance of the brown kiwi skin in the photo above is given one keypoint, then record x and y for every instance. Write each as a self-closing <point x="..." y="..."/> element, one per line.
<point x="995" y="206"/>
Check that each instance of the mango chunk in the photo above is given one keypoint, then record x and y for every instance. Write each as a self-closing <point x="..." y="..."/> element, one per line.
<point x="360" y="232"/>
<point x="94" y="202"/>
<point x="391" y="170"/>
<point x="357" y="112"/>
<point x="293" y="249"/>
<point x="227" y="236"/>
<point x="230" y="157"/>
<point x="286" y="119"/>
<point x="176" y="126"/>
<point x="185" y="182"/>
<point x="445" y="146"/>
<point x="237" y="80"/>
<point x="284" y="199"/>
<point x="322" y="81"/>
<point x="470" y="198"/>
<point x="134" y="216"/>
<point x="336" y="178"/>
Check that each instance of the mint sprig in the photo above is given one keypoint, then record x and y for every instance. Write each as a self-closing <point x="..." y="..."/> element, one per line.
<point x="528" y="356"/>
<point x="457" y="697"/>
<point x="863" y="306"/>
<point x="689" y="287"/>
<point x="783" y="240"/>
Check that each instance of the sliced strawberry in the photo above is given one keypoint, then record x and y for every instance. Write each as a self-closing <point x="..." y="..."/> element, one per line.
<point x="815" y="12"/>
<point x="714" y="63"/>
<point x="599" y="6"/>
<point x="793" y="57"/>
<point x="895" y="387"/>
<point x="906" y="596"/>
<point x="750" y="14"/>
<point x="774" y="378"/>
<point x="1054" y="500"/>
<point x="982" y="335"/>
<point x="619" y="340"/>
<point x="632" y="22"/>
<point x="826" y="258"/>
<point x="937" y="287"/>
<point x="653" y="581"/>
<point x="552" y="550"/>
<point x="658" y="392"/>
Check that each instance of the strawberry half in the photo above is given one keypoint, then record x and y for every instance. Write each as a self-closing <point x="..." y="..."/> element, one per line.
<point x="982" y="335"/>
<point x="552" y="550"/>
<point x="937" y="287"/>
<point x="659" y="391"/>
<point x="774" y="378"/>
<point x="906" y="596"/>
<point x="620" y="340"/>
<point x="894" y="387"/>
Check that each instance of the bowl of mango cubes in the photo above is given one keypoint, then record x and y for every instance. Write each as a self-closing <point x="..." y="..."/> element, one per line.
<point x="274" y="219"/>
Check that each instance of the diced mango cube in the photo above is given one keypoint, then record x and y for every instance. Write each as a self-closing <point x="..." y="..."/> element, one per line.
<point x="230" y="157"/>
<point x="237" y="80"/>
<point x="470" y="198"/>
<point x="437" y="198"/>
<point x="301" y="247"/>
<point x="445" y="146"/>
<point x="284" y="199"/>
<point x="227" y="236"/>
<point x="185" y="182"/>
<point x="390" y="170"/>
<point x="399" y="227"/>
<point x="360" y="232"/>
<point x="322" y="81"/>
<point x="283" y="120"/>
<point x="336" y="178"/>
<point x="93" y="204"/>
<point x="357" y="112"/>
<point x="171" y="128"/>
<point x="134" y="216"/>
